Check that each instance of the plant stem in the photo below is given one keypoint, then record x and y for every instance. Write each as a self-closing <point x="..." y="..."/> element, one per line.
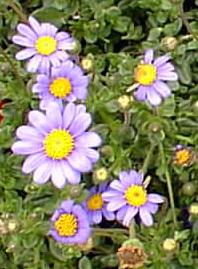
<point x="20" y="14"/>
<point x="148" y="158"/>
<point x="127" y="118"/>
<point x="169" y="184"/>
<point x="132" y="230"/>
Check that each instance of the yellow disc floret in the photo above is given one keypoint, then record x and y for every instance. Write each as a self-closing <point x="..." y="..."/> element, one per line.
<point x="136" y="195"/>
<point x="145" y="74"/>
<point x="66" y="225"/>
<point x="58" y="144"/>
<point x="60" y="87"/>
<point x="95" y="202"/>
<point x="46" y="45"/>
<point x="183" y="156"/>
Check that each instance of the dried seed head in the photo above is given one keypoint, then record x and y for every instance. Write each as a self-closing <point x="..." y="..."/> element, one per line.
<point x="170" y="42"/>
<point x="131" y="257"/>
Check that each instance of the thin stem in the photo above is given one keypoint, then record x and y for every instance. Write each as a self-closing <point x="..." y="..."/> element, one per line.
<point x="185" y="19"/>
<point x="169" y="184"/>
<point x="110" y="231"/>
<point x="132" y="230"/>
<point x="148" y="158"/>
<point x="14" y="70"/>
<point x="20" y="13"/>
<point x="127" y="118"/>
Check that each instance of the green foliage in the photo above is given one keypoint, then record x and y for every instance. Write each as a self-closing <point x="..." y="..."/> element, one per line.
<point x="114" y="33"/>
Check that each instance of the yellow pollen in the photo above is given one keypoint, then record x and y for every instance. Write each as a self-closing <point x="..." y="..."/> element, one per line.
<point x="182" y="156"/>
<point x="46" y="45"/>
<point x="95" y="202"/>
<point x="60" y="87"/>
<point x="58" y="144"/>
<point x="66" y="225"/>
<point x="136" y="195"/>
<point x="145" y="74"/>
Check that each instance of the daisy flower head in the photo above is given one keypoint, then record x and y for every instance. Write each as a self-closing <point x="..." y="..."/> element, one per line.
<point x="70" y="224"/>
<point x="95" y="206"/>
<point x="65" y="83"/>
<point x="57" y="144"/>
<point x="183" y="156"/>
<point x="44" y="45"/>
<point x="128" y="196"/>
<point x="150" y="75"/>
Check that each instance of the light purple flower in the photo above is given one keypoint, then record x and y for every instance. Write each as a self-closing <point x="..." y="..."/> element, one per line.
<point x="150" y="75"/>
<point x="44" y="45"/>
<point x="129" y="197"/>
<point x="95" y="206"/>
<point x="66" y="83"/>
<point x="57" y="144"/>
<point x="70" y="224"/>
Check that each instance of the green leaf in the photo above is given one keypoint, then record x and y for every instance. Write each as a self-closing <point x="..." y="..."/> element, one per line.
<point x="84" y="263"/>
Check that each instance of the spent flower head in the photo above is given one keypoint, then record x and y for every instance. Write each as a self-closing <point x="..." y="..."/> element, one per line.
<point x="57" y="144"/>
<point x="128" y="196"/>
<point x="44" y="45"/>
<point x="150" y="75"/>
<point x="183" y="156"/>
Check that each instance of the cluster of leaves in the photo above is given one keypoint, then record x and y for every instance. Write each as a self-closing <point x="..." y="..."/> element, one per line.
<point x="112" y="34"/>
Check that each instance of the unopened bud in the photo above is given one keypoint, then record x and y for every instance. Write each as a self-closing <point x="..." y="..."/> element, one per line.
<point x="155" y="127"/>
<point x="75" y="191"/>
<point x="87" y="246"/>
<point x="100" y="174"/>
<point x="107" y="150"/>
<point x="169" y="245"/>
<point x="170" y="42"/>
<point x="193" y="209"/>
<point x="12" y="225"/>
<point x="124" y="102"/>
<point x="87" y="64"/>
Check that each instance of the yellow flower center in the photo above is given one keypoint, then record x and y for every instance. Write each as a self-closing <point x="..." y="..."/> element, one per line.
<point x="60" y="87"/>
<point x="46" y="45"/>
<point x="136" y="195"/>
<point x="58" y="144"/>
<point x="66" y="225"/>
<point x="95" y="202"/>
<point x="182" y="156"/>
<point x="145" y="74"/>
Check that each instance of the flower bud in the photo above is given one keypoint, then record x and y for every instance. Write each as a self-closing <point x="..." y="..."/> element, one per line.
<point x="193" y="209"/>
<point x="124" y="102"/>
<point x="170" y="42"/>
<point x="87" y="64"/>
<point x="100" y="174"/>
<point x="155" y="127"/>
<point x="107" y="151"/>
<point x="169" y="245"/>
<point x="189" y="188"/>
<point x="87" y="246"/>
<point x="12" y="225"/>
<point x="75" y="191"/>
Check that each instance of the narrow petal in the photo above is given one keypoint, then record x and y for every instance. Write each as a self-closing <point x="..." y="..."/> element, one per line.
<point x="161" y="60"/>
<point x="153" y="208"/>
<point x="42" y="173"/>
<point x="88" y="139"/>
<point x="155" y="198"/>
<point x="148" y="57"/>
<point x="39" y="121"/>
<point x="68" y="114"/>
<point x="116" y="204"/>
<point x="34" y="63"/>
<point x="140" y="94"/>
<point x="65" y="44"/>
<point x="22" y="41"/>
<point x="73" y="176"/>
<point x="25" y="54"/>
<point x="108" y="215"/>
<point x="162" y="88"/>
<point x="54" y="60"/>
<point x="67" y="205"/>
<point x="97" y="217"/>
<point x="32" y="162"/>
<point x="79" y="161"/>
<point x="53" y="115"/>
<point x="26" y="31"/>
<point x="130" y="214"/>
<point x="80" y="109"/>
<point x="29" y="133"/>
<point x="48" y="29"/>
<point x="117" y="185"/>
<point x="62" y="55"/>
<point x="153" y="97"/>
<point x="44" y="66"/>
<point x="145" y="216"/>
<point x="26" y="148"/>
<point x="80" y="124"/>
<point x="61" y="36"/>
<point x="172" y="76"/>
<point x="166" y="67"/>
<point x="43" y="79"/>
<point x="109" y="195"/>
<point x="58" y="177"/>
<point x="121" y="213"/>
<point x="92" y="154"/>
<point x="80" y="92"/>
<point x="35" y="25"/>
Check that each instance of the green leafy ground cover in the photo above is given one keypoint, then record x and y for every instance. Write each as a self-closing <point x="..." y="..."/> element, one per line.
<point x="111" y="35"/>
